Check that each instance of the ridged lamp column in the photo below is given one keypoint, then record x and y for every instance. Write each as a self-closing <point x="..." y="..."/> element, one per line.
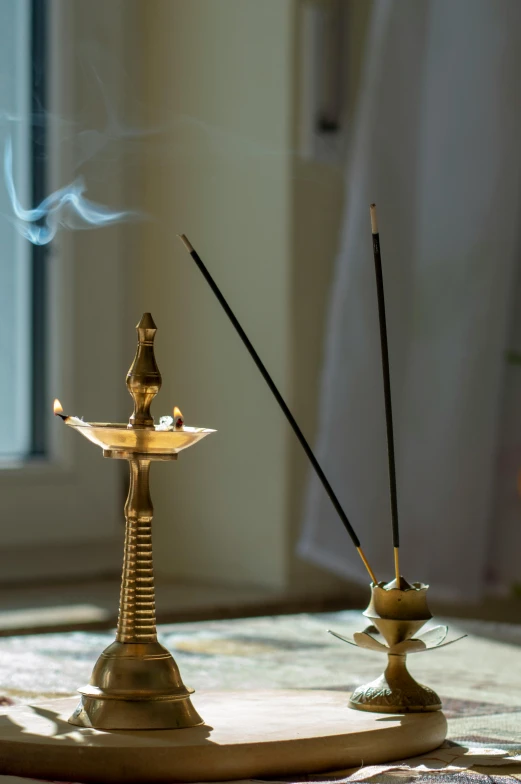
<point x="137" y="608"/>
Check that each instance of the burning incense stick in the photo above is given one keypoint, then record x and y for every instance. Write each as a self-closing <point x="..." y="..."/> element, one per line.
<point x="280" y="400"/>
<point x="387" y="389"/>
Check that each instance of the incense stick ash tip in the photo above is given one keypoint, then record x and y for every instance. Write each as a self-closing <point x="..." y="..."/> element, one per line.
<point x="186" y="243"/>
<point x="374" y="223"/>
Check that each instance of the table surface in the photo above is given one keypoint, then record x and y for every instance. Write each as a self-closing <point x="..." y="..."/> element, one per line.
<point x="478" y="678"/>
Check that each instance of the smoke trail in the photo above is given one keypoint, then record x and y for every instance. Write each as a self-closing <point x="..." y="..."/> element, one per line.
<point x="66" y="207"/>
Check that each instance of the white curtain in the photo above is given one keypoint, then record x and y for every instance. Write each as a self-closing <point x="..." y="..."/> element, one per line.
<point x="437" y="145"/>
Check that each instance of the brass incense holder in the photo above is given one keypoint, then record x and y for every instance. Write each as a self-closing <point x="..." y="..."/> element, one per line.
<point x="136" y="684"/>
<point x="397" y="614"/>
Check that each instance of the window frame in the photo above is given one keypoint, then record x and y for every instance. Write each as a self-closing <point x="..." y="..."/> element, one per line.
<point x="38" y="148"/>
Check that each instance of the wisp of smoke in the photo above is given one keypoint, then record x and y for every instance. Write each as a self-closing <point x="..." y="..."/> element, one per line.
<point x="67" y="207"/>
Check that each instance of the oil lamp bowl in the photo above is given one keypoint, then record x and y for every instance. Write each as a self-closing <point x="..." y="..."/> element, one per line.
<point x="116" y="438"/>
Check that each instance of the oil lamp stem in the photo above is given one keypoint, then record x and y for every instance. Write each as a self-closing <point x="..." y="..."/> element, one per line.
<point x="137" y="615"/>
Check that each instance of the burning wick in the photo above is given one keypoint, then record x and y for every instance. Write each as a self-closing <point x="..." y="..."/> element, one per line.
<point x="69" y="420"/>
<point x="172" y="423"/>
<point x="179" y="422"/>
<point x="58" y="409"/>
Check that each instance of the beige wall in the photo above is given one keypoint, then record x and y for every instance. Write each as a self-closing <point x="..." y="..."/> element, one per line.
<point x="317" y="208"/>
<point x="222" y="88"/>
<point x="218" y="82"/>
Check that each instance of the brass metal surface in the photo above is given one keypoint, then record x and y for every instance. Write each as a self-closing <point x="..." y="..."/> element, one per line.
<point x="398" y="613"/>
<point x="395" y="691"/>
<point x="136" y="684"/>
<point x="117" y="437"/>
<point x="143" y="378"/>
<point x="405" y="603"/>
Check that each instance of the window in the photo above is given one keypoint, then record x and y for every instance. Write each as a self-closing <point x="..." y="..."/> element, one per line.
<point x="61" y="308"/>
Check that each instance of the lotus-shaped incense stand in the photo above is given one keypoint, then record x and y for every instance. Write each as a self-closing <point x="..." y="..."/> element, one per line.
<point x="398" y="613"/>
<point x="136" y="684"/>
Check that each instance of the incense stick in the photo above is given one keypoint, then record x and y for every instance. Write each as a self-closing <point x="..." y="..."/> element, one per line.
<point x="387" y="390"/>
<point x="280" y="400"/>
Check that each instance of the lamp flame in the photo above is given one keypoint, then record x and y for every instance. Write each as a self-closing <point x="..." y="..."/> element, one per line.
<point x="57" y="407"/>
<point x="178" y="418"/>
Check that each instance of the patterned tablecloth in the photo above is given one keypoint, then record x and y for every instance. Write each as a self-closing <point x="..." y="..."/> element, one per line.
<point x="478" y="679"/>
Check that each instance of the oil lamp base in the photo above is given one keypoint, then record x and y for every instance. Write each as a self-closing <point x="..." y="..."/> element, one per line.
<point x="395" y="691"/>
<point x="109" y="714"/>
<point x="135" y="686"/>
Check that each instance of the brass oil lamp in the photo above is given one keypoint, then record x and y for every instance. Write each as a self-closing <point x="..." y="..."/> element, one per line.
<point x="136" y="683"/>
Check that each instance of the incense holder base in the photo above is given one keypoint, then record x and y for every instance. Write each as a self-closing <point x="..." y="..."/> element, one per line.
<point x="397" y="615"/>
<point x="135" y="686"/>
<point x="395" y="691"/>
<point x="247" y="734"/>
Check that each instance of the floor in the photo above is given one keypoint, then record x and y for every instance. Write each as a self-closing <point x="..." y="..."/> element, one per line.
<point x="93" y="604"/>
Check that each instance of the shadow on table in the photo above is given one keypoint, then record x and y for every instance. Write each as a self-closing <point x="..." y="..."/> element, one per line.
<point x="65" y="733"/>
